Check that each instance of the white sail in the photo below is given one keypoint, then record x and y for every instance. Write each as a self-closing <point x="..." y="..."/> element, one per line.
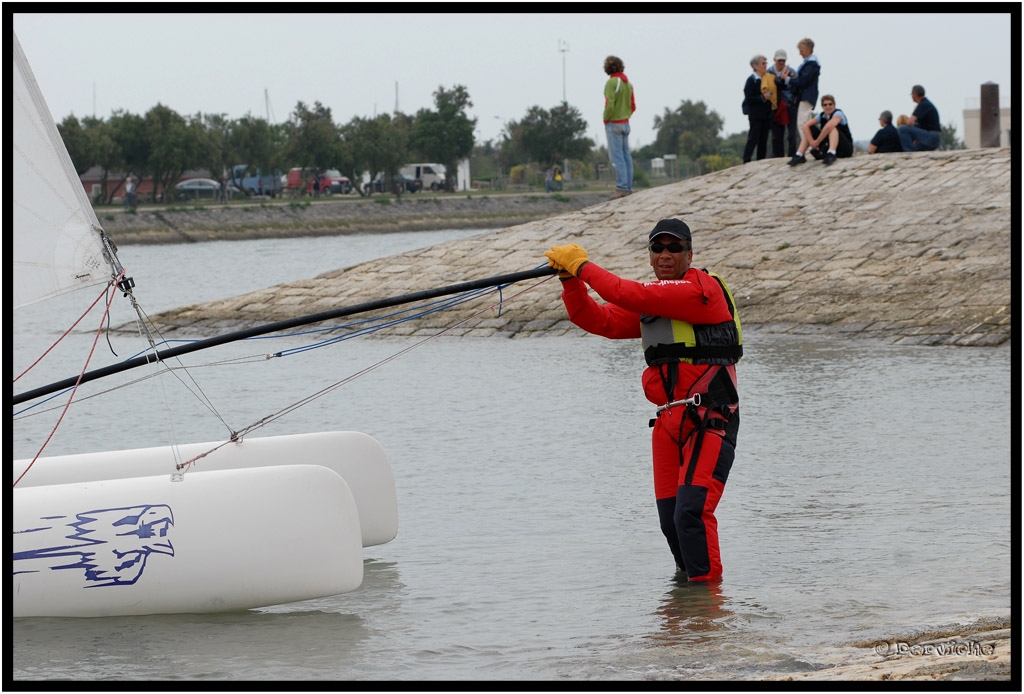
<point x="57" y="239"/>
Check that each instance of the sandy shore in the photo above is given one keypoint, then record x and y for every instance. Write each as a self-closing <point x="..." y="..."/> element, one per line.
<point x="976" y="652"/>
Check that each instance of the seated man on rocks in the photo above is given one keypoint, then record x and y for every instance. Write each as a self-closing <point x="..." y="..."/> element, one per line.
<point x="886" y="139"/>
<point x="922" y="131"/>
<point x="830" y="125"/>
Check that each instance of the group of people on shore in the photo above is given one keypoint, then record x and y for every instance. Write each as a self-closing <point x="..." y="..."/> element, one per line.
<point x="779" y="101"/>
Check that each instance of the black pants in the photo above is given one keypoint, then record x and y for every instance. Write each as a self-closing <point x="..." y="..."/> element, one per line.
<point x="757" y="137"/>
<point x="843" y="149"/>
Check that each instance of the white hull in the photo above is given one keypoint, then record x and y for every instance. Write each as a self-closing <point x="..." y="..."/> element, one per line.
<point x="211" y="542"/>
<point x="254" y="523"/>
<point x="355" y="456"/>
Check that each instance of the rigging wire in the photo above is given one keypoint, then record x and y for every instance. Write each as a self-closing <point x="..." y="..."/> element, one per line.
<point x="370" y="326"/>
<point x="67" y="332"/>
<point x="334" y="386"/>
<point x="71" y="397"/>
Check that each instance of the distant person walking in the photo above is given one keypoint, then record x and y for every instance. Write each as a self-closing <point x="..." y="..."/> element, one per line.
<point x="549" y="180"/>
<point x="759" y="110"/>
<point x="316" y="188"/>
<point x="129" y="194"/>
<point x="922" y="131"/>
<point x="619" y="106"/>
<point x="805" y="84"/>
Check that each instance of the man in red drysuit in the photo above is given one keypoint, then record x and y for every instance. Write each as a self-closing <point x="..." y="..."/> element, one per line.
<point x="690" y="332"/>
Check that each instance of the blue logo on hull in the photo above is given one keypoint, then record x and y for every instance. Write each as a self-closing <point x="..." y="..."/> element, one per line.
<point x="109" y="546"/>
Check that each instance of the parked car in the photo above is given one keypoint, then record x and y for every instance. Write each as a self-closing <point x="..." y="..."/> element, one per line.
<point x="196" y="188"/>
<point x="430" y="175"/>
<point x="400" y="183"/>
<point x="331" y="181"/>
<point x="270" y="184"/>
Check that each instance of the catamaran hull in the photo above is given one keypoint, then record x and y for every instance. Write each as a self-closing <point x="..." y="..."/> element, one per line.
<point x="358" y="458"/>
<point x="209" y="542"/>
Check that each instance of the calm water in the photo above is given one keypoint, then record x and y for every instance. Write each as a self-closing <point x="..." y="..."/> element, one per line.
<point x="870" y="497"/>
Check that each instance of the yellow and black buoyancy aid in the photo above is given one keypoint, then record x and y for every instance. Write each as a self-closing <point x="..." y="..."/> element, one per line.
<point x="668" y="342"/>
<point x="665" y="340"/>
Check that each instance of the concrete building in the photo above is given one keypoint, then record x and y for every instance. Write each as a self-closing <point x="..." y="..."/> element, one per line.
<point x="972" y="124"/>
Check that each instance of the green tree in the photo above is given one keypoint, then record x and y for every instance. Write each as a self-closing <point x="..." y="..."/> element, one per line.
<point x="690" y="131"/>
<point x="176" y="144"/>
<point x="105" y="153"/>
<point x="77" y="142"/>
<point x="445" y="135"/>
<point x="129" y="150"/>
<point x="312" y="140"/>
<point x="257" y="144"/>
<point x="376" y="146"/>
<point x="547" y="137"/>
<point x="218" y="135"/>
<point x="949" y="138"/>
<point x="731" y="148"/>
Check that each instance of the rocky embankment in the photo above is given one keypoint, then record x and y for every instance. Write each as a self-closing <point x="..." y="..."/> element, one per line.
<point x="348" y="214"/>
<point x="910" y="248"/>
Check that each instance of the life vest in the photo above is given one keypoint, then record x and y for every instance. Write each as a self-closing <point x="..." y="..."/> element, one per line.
<point x="665" y="340"/>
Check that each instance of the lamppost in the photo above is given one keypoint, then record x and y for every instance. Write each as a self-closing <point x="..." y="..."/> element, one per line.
<point x="563" y="46"/>
<point x="497" y="154"/>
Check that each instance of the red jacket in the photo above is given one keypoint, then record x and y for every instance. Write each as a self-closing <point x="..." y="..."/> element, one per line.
<point x="696" y="298"/>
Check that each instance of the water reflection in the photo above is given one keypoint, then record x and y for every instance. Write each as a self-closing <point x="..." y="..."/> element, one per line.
<point x="692" y="608"/>
<point x="237" y="645"/>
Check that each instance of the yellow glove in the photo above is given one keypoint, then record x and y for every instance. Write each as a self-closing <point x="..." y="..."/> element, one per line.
<point x="567" y="258"/>
<point x="563" y="274"/>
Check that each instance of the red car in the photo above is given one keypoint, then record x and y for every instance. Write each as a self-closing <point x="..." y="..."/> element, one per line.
<point x="331" y="181"/>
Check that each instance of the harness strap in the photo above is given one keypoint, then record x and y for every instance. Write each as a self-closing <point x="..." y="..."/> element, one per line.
<point x="677" y="350"/>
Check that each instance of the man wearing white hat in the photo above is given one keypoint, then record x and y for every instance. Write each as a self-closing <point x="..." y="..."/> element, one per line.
<point x="787" y="123"/>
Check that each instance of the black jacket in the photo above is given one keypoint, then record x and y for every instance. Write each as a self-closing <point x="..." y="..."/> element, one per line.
<point x="757" y="107"/>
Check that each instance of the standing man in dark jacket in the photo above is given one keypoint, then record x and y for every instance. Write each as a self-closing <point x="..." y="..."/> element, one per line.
<point x="805" y="84"/>
<point x="759" y="111"/>
<point x="690" y="332"/>
<point x="922" y="131"/>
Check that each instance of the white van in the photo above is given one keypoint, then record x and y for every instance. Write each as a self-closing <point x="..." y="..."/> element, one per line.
<point x="431" y="175"/>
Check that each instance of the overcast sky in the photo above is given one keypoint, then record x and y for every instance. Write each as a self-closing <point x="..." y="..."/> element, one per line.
<point x="365" y="64"/>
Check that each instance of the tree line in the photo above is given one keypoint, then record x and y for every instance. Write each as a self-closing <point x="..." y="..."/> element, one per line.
<point x="164" y="144"/>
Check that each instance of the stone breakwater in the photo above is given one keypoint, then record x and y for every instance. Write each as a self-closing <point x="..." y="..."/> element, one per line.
<point x="909" y="248"/>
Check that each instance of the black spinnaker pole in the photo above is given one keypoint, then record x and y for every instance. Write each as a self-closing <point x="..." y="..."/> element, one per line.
<point x="285" y="325"/>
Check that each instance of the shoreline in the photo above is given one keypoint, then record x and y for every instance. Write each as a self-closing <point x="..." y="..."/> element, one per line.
<point x="263" y="219"/>
<point x="980" y="651"/>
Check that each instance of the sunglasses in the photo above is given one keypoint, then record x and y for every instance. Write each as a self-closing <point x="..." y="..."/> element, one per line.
<point x="672" y="247"/>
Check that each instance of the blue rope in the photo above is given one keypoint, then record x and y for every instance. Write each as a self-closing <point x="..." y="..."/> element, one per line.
<point x="370" y="326"/>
